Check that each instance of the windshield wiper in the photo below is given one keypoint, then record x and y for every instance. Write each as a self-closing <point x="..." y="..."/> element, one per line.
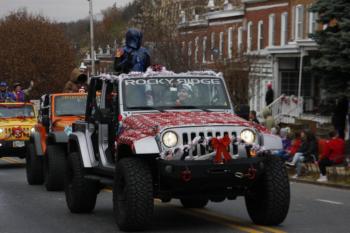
<point x="145" y="108"/>
<point x="191" y="107"/>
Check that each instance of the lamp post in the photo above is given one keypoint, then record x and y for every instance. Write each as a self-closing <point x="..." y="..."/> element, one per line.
<point x="92" y="38"/>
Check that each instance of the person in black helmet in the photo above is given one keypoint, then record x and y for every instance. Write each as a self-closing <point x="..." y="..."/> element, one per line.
<point x="132" y="57"/>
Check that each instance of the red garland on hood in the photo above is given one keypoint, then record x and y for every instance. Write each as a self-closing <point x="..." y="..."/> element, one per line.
<point x="139" y="126"/>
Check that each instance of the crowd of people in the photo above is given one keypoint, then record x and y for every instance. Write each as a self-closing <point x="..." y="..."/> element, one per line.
<point x="17" y="94"/>
<point x="304" y="147"/>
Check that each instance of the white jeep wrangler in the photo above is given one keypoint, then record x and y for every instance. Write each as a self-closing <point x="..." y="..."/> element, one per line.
<point x="166" y="135"/>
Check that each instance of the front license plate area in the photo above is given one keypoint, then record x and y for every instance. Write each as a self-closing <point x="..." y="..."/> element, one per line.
<point x="17" y="144"/>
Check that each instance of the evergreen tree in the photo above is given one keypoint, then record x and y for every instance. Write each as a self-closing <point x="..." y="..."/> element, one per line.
<point x="332" y="64"/>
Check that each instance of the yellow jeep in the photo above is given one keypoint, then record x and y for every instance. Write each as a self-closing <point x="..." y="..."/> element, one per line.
<point x="17" y="121"/>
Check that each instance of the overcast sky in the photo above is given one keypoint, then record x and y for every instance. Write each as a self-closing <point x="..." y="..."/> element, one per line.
<point x="58" y="10"/>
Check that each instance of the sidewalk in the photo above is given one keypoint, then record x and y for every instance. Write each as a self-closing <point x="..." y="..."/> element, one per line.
<point x="338" y="176"/>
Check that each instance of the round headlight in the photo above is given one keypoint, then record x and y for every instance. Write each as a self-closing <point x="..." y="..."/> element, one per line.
<point x="32" y="130"/>
<point x="248" y="136"/>
<point x="169" y="139"/>
<point x="1" y="130"/>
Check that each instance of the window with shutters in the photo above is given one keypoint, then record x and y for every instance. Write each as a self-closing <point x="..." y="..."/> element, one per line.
<point x="196" y="50"/>
<point x="239" y="39"/>
<point x="312" y="22"/>
<point x="221" y="45"/>
<point x="271" y="30"/>
<point x="212" y="45"/>
<point x="260" y="35"/>
<point x="204" y="50"/>
<point x="249" y="36"/>
<point x="299" y="21"/>
<point x="284" y="28"/>
<point x="229" y="43"/>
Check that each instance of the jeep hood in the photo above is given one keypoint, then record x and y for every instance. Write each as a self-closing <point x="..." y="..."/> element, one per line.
<point x="139" y="126"/>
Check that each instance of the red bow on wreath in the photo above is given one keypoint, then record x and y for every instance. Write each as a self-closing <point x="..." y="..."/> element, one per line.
<point x="220" y="145"/>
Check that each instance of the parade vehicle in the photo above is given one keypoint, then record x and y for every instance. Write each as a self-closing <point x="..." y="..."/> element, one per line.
<point x="17" y="121"/>
<point x="48" y="142"/>
<point x="147" y="139"/>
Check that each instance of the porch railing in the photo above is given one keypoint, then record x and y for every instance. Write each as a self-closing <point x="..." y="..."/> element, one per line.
<point x="286" y="107"/>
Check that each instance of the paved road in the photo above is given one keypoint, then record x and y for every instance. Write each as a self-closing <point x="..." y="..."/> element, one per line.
<point x="31" y="209"/>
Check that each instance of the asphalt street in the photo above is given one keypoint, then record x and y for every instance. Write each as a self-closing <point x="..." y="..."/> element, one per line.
<point x="31" y="209"/>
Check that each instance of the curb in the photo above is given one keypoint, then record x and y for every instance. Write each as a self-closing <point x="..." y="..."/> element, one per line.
<point x="325" y="184"/>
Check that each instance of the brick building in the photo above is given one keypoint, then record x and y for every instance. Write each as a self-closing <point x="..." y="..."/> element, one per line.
<point x="274" y="34"/>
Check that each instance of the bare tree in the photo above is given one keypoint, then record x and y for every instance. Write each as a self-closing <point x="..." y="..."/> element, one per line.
<point x="33" y="48"/>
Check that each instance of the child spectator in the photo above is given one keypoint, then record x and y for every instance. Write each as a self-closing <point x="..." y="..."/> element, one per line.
<point x="307" y="151"/>
<point x="333" y="153"/>
<point x="286" y="142"/>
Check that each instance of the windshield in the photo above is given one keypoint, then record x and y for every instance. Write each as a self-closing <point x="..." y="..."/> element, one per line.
<point x="70" y="105"/>
<point x="21" y="111"/>
<point x="174" y="93"/>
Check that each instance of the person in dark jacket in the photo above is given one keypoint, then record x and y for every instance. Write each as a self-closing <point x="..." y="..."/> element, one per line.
<point x="132" y="57"/>
<point x="339" y="116"/>
<point x="77" y="82"/>
<point x="307" y="152"/>
<point x="269" y="95"/>
<point x="253" y="118"/>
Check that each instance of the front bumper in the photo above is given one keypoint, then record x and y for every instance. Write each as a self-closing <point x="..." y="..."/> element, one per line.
<point x="12" y="148"/>
<point x="192" y="178"/>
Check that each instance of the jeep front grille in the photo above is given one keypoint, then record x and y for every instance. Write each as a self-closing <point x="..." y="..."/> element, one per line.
<point x="187" y="134"/>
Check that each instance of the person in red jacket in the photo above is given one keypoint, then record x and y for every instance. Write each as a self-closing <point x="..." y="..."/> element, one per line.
<point x="333" y="153"/>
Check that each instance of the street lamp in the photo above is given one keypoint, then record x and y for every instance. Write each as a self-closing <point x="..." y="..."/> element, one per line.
<point x="92" y="38"/>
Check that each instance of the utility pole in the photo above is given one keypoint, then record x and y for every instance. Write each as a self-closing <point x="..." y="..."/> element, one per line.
<point x="92" y="38"/>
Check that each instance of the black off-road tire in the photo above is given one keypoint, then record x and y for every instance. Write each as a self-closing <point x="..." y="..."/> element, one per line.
<point x="54" y="167"/>
<point x="80" y="193"/>
<point x="194" y="202"/>
<point x="34" y="166"/>
<point x="133" y="195"/>
<point x="268" y="199"/>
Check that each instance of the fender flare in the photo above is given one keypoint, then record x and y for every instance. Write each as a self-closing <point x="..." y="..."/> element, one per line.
<point x="272" y="142"/>
<point x="77" y="142"/>
<point x="147" y="145"/>
<point x="35" y="138"/>
<point x="57" y="137"/>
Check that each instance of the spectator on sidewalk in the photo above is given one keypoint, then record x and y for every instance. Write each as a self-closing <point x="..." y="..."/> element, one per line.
<point x="333" y="153"/>
<point x="286" y="142"/>
<point x="269" y="95"/>
<point x="253" y="118"/>
<point x="296" y="143"/>
<point x="307" y="152"/>
<point x="339" y="116"/>
<point x="269" y="121"/>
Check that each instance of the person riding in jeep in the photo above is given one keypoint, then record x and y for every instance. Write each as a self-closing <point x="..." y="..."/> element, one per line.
<point x="77" y="82"/>
<point x="5" y="95"/>
<point x="132" y="57"/>
<point x="184" y="95"/>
